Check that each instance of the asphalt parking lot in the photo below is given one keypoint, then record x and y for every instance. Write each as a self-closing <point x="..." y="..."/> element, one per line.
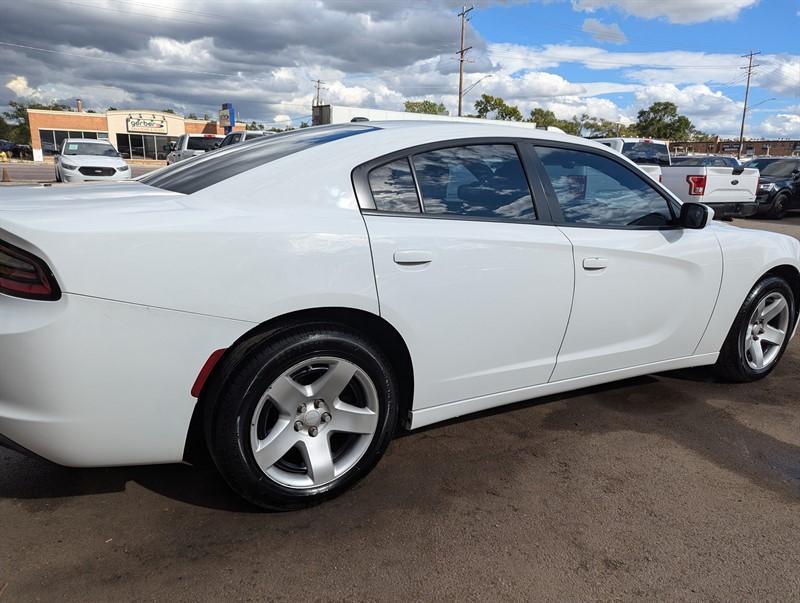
<point x="30" y="171"/>
<point x="669" y="487"/>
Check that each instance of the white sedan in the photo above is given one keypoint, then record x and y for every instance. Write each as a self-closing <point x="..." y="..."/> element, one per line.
<point x="89" y="159"/>
<point x="289" y="302"/>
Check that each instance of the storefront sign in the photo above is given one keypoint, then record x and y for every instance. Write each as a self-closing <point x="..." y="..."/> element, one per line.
<point x="147" y="124"/>
<point x="227" y="117"/>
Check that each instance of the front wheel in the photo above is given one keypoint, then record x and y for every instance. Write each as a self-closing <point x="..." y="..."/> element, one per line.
<point x="760" y="332"/>
<point x="303" y="417"/>
<point x="778" y="209"/>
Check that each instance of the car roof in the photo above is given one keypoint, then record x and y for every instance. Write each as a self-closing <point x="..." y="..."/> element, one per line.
<point x="93" y="140"/>
<point x="201" y="135"/>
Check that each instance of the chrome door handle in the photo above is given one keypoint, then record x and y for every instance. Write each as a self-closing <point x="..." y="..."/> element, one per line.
<point x="595" y="264"/>
<point x="412" y="257"/>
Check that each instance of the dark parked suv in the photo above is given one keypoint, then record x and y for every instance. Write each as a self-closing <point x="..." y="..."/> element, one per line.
<point x="778" y="185"/>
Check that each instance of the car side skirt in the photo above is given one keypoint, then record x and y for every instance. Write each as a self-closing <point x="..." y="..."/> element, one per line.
<point x="435" y="414"/>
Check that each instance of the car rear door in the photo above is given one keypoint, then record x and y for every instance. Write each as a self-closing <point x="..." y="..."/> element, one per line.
<point x="468" y="268"/>
<point x="644" y="287"/>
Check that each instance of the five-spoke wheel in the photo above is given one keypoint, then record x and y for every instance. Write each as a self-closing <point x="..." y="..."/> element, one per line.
<point x="759" y="333"/>
<point x="303" y="416"/>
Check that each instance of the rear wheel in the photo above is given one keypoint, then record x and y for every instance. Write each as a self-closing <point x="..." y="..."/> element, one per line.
<point x="304" y="417"/>
<point x="760" y="333"/>
<point x="778" y="209"/>
<point x="58" y="175"/>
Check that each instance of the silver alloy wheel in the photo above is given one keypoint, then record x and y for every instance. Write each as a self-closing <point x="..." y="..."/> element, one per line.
<point x="766" y="331"/>
<point x="303" y="434"/>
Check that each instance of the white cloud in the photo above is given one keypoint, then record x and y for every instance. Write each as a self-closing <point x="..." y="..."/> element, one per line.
<point x="786" y="125"/>
<point x="675" y="11"/>
<point x="19" y="86"/>
<point x="604" y="32"/>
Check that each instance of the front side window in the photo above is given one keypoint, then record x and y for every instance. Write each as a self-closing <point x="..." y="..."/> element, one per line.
<point x="392" y="187"/>
<point x="595" y="190"/>
<point x="481" y="181"/>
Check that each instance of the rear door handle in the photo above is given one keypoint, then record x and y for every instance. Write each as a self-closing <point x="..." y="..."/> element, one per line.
<point x="595" y="264"/>
<point x="412" y="257"/>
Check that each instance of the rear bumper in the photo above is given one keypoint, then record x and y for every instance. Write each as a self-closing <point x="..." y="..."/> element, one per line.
<point x="90" y="382"/>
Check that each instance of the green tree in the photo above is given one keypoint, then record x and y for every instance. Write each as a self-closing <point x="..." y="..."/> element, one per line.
<point x="604" y="128"/>
<point x="111" y="109"/>
<point x="488" y="105"/>
<point x="168" y="111"/>
<point x="5" y="129"/>
<point x="191" y="116"/>
<point x="305" y="124"/>
<point x="206" y="117"/>
<point x="425" y="106"/>
<point x="20" y="130"/>
<point x="254" y="126"/>
<point x="662" y="120"/>
<point x="544" y="118"/>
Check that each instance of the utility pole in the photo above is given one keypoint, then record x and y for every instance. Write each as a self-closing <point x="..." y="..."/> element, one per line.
<point x="749" y="68"/>
<point x="318" y="86"/>
<point x="463" y="14"/>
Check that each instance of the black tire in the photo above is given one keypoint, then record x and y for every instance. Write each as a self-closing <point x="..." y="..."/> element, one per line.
<point x="732" y="364"/>
<point x="228" y="420"/>
<point x="778" y="209"/>
<point x="58" y="176"/>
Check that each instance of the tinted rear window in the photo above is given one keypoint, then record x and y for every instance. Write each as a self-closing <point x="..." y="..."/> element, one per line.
<point x="646" y="153"/>
<point x="202" y="144"/>
<point x="200" y="172"/>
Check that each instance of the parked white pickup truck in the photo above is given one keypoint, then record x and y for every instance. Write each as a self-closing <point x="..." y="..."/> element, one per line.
<point x="730" y="191"/>
<point x="190" y="145"/>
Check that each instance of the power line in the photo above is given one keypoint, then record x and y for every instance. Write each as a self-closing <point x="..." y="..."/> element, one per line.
<point x="749" y="68"/>
<point x="462" y="51"/>
<point x="319" y="87"/>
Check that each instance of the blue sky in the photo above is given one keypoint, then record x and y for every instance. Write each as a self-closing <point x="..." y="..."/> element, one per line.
<point x="769" y="26"/>
<point x="605" y="58"/>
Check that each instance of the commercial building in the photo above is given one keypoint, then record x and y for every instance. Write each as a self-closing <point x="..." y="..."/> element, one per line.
<point x="750" y="148"/>
<point x="135" y="133"/>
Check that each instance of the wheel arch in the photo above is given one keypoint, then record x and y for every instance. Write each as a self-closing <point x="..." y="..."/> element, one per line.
<point x="376" y="327"/>
<point x="791" y="275"/>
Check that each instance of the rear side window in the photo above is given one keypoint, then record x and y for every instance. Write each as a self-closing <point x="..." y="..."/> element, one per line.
<point x="481" y="181"/>
<point x="202" y="144"/>
<point x="646" y="153"/>
<point x="392" y="187"/>
<point x="199" y="172"/>
<point x="595" y="190"/>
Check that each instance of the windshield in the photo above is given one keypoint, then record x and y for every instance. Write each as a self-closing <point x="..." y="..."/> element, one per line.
<point x="90" y="148"/>
<point x="204" y="170"/>
<point x="781" y="169"/>
<point x="646" y="153"/>
<point x="197" y="143"/>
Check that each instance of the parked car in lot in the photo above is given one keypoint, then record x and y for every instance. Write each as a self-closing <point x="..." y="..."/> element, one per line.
<point x="190" y="145"/>
<point x="287" y="302"/>
<point x="89" y="159"/>
<point x="778" y="185"/>
<point x="706" y="161"/>
<point x="729" y="190"/>
<point x="242" y="136"/>
<point x="16" y="150"/>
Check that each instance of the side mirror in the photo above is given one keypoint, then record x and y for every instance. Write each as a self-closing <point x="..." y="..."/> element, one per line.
<point x="695" y="215"/>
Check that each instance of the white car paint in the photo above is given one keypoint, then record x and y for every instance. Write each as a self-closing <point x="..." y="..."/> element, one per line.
<point x="74" y="164"/>
<point x="154" y="282"/>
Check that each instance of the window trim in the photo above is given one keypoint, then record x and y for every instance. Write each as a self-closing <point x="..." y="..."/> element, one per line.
<point x="555" y="206"/>
<point x="360" y="179"/>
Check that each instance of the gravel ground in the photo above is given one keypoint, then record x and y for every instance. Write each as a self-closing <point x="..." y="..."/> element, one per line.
<point x="670" y="487"/>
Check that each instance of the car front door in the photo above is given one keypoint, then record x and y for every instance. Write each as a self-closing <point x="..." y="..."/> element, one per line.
<point x="644" y="287"/>
<point x="467" y="269"/>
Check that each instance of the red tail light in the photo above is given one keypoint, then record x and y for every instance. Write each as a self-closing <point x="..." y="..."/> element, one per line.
<point x="24" y="275"/>
<point x="697" y="185"/>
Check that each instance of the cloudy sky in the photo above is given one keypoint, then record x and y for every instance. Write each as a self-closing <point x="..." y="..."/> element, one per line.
<point x="607" y="58"/>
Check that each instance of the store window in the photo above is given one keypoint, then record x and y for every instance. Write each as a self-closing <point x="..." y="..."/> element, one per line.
<point x="52" y="139"/>
<point x="143" y="146"/>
